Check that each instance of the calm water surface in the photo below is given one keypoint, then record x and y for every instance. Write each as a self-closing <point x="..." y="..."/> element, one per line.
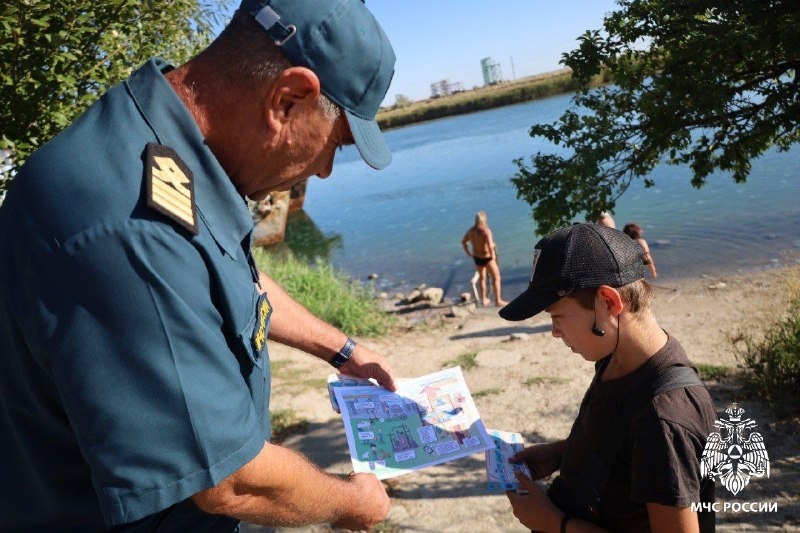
<point x="405" y="223"/>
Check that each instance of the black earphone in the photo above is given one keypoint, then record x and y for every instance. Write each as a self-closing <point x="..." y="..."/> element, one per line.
<point x="595" y="330"/>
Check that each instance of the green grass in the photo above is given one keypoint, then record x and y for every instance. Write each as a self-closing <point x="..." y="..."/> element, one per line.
<point x="465" y="360"/>
<point x="487" y="392"/>
<point x="284" y="375"/>
<point x="286" y="422"/>
<point x="385" y="527"/>
<point x="714" y="372"/>
<point x="329" y="294"/>
<point x="771" y="361"/>
<point x="282" y="370"/>
<point x="315" y="383"/>
<point x="542" y="380"/>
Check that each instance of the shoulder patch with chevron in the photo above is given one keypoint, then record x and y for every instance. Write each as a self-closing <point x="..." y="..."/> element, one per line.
<point x="170" y="186"/>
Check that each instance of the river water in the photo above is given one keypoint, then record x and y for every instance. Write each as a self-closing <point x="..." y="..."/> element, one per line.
<point x="405" y="223"/>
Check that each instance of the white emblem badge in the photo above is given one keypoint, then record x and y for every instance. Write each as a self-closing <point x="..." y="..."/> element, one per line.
<point x="735" y="453"/>
<point x="536" y="253"/>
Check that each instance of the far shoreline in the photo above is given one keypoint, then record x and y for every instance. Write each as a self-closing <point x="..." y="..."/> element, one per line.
<point x="790" y="261"/>
<point x="482" y="98"/>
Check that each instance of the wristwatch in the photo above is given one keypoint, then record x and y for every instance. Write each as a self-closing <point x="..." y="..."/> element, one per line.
<point x="344" y="354"/>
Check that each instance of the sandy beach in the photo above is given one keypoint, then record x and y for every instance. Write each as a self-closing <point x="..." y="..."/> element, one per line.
<point x="525" y="380"/>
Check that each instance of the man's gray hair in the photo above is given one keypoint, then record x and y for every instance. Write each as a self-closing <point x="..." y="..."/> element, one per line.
<point x="245" y="48"/>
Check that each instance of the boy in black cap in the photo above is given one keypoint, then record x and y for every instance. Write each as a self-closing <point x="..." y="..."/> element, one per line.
<point x="632" y="459"/>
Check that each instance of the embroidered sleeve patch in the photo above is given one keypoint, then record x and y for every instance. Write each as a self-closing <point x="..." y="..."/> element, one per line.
<point x="263" y="312"/>
<point x="170" y="186"/>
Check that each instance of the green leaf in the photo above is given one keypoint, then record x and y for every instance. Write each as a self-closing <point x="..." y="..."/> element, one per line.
<point x="710" y="85"/>
<point x="58" y="58"/>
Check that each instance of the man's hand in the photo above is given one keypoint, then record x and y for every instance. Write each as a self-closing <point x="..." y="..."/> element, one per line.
<point x="293" y="325"/>
<point x="371" y="506"/>
<point x="542" y="459"/>
<point x="364" y="363"/>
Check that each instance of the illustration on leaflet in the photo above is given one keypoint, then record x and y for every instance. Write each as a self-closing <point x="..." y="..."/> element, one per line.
<point x="429" y="420"/>
<point x="499" y="470"/>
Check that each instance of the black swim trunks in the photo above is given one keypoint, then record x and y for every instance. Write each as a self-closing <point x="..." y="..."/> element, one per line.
<point x="481" y="261"/>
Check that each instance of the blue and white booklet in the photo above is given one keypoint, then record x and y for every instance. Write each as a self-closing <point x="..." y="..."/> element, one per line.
<point x="499" y="470"/>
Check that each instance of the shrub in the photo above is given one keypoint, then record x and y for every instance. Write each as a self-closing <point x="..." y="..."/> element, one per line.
<point x="771" y="365"/>
<point x="329" y="294"/>
<point x="714" y="372"/>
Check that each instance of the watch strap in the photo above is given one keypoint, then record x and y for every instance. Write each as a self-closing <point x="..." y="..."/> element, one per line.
<point x="344" y="354"/>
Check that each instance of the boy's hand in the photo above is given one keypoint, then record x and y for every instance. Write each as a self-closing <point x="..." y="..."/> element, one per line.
<point x="534" y="509"/>
<point x="542" y="459"/>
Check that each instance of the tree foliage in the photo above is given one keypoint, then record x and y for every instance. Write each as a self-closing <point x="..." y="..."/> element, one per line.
<point x="707" y="84"/>
<point x="59" y="56"/>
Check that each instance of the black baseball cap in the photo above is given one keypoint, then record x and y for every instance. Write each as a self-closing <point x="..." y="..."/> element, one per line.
<point x="579" y="256"/>
<point x="347" y="49"/>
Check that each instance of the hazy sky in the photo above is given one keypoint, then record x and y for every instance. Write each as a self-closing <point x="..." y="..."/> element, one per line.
<point x="446" y="39"/>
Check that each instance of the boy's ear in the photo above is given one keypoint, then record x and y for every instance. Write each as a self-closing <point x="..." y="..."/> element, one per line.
<point x="611" y="299"/>
<point x="295" y="89"/>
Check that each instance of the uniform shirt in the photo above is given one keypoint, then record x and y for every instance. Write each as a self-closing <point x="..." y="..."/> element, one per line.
<point x="133" y="367"/>
<point x="658" y="460"/>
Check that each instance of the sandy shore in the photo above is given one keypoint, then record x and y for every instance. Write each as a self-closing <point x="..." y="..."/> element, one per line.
<point x="533" y="384"/>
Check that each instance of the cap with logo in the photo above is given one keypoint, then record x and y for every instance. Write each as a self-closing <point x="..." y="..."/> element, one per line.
<point x="579" y="256"/>
<point x="347" y="49"/>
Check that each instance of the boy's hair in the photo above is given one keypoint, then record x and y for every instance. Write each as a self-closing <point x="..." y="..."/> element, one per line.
<point x="636" y="296"/>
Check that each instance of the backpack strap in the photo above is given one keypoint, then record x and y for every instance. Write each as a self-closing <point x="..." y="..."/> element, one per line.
<point x="675" y="377"/>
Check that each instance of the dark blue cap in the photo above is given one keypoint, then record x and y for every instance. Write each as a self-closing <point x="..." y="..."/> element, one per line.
<point x="347" y="49"/>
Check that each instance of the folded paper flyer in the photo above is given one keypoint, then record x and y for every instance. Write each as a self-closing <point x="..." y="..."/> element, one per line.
<point x="428" y="420"/>
<point x="499" y="470"/>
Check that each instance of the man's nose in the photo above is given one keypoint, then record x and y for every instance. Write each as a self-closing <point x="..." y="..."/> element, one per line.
<point x="555" y="331"/>
<point x="326" y="172"/>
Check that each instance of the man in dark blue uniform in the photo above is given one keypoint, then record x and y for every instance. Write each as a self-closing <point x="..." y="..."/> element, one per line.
<point x="134" y="372"/>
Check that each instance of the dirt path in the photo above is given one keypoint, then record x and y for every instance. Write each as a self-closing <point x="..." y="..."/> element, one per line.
<point x="532" y="384"/>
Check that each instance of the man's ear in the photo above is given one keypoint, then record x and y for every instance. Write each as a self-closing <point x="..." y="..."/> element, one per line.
<point x="610" y="299"/>
<point x="296" y="89"/>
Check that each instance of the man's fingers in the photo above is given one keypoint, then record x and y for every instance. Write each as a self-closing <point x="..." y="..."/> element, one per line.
<point x="382" y="375"/>
<point x="388" y="382"/>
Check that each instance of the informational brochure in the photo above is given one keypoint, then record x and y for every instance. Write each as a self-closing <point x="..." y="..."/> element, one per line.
<point x="429" y="420"/>
<point x="343" y="380"/>
<point x="499" y="470"/>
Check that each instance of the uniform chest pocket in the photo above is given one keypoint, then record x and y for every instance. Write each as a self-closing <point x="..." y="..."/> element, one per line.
<point x="255" y="368"/>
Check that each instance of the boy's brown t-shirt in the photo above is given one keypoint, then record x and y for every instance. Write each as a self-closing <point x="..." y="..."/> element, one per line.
<point x="658" y="461"/>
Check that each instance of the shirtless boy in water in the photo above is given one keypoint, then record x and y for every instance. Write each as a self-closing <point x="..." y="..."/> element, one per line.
<point x="484" y="253"/>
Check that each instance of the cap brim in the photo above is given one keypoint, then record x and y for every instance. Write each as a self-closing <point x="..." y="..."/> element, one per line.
<point x="528" y="304"/>
<point x="369" y="141"/>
